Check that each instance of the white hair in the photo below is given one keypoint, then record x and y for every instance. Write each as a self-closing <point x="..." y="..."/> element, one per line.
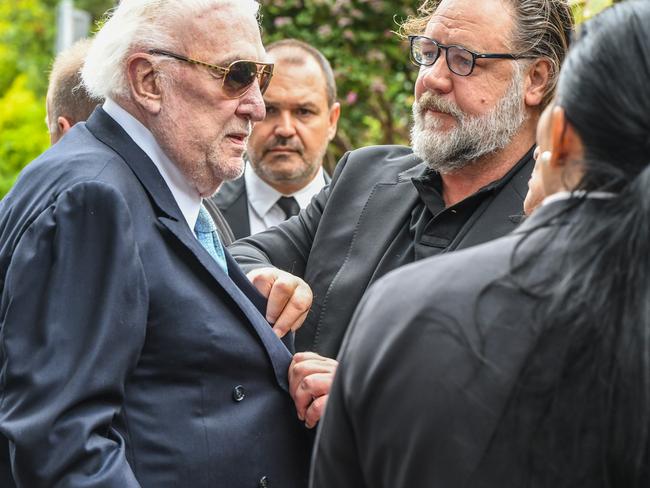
<point x="137" y="26"/>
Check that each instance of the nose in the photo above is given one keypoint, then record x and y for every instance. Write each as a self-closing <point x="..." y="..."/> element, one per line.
<point x="251" y="104"/>
<point x="284" y="126"/>
<point x="436" y="78"/>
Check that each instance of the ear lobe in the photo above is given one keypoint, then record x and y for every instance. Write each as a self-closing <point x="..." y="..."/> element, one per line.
<point x="143" y="82"/>
<point x="565" y="140"/>
<point x="558" y="142"/>
<point x="335" y="113"/>
<point x="537" y="79"/>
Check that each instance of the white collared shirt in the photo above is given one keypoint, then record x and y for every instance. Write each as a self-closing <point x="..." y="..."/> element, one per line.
<point x="187" y="198"/>
<point x="263" y="211"/>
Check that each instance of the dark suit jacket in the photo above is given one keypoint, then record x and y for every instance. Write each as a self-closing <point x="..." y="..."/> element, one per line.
<point x="337" y="242"/>
<point x="232" y="200"/>
<point x="431" y="409"/>
<point x="128" y="357"/>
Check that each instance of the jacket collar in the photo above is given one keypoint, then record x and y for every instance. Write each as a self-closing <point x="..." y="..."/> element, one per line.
<point x="113" y="135"/>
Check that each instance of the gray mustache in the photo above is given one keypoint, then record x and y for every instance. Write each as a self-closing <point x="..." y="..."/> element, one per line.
<point x="430" y="101"/>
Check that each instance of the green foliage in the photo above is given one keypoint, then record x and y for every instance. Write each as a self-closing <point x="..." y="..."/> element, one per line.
<point x="27" y="33"/>
<point x="23" y="129"/>
<point x="26" y="40"/>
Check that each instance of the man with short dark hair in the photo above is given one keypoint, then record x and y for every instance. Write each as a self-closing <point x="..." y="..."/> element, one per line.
<point x="486" y="71"/>
<point x="67" y="101"/>
<point x="135" y="352"/>
<point x="285" y="151"/>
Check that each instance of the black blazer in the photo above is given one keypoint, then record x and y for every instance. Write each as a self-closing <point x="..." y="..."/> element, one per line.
<point x="129" y="357"/>
<point x="232" y="201"/>
<point x="337" y="242"/>
<point x="431" y="409"/>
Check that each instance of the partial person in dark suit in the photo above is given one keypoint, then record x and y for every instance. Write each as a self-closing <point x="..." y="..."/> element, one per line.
<point x="285" y="152"/>
<point x="135" y="353"/>
<point x="487" y="69"/>
<point x="522" y="362"/>
<point x="67" y="101"/>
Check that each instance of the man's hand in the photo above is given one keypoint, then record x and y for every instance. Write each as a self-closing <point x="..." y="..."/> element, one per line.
<point x="289" y="298"/>
<point x="310" y="380"/>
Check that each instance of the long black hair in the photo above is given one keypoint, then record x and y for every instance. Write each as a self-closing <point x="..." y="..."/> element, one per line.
<point x="588" y="377"/>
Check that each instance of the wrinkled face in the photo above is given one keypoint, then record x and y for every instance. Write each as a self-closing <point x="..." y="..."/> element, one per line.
<point x="458" y="119"/>
<point x="202" y="130"/>
<point x="288" y="146"/>
<point x="536" y="191"/>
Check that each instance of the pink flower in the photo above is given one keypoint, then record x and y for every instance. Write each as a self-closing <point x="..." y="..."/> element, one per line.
<point x="281" y="21"/>
<point x="325" y="31"/>
<point x="377" y="85"/>
<point x="351" y="98"/>
<point x="344" y="21"/>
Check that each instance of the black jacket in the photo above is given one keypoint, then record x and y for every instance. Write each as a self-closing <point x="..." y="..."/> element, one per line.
<point x="337" y="242"/>
<point x="427" y="372"/>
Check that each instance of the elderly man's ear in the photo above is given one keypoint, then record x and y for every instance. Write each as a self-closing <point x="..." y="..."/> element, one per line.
<point x="144" y="83"/>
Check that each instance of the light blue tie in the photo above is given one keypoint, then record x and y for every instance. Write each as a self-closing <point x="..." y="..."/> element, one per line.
<point x="206" y="233"/>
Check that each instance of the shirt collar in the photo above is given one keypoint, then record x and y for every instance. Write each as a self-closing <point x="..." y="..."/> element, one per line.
<point x="262" y="196"/>
<point x="428" y="183"/>
<point x="429" y="176"/>
<point x="186" y="197"/>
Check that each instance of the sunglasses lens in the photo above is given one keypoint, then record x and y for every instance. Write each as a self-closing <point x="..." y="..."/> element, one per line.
<point x="265" y="78"/>
<point x="241" y="75"/>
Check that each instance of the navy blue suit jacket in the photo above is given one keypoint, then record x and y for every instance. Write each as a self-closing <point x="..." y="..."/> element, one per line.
<point x="128" y="357"/>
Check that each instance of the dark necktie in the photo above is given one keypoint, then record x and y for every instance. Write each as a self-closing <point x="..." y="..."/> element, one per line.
<point x="289" y="206"/>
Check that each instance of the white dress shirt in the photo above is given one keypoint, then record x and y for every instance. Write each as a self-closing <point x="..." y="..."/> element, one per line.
<point x="187" y="198"/>
<point x="263" y="211"/>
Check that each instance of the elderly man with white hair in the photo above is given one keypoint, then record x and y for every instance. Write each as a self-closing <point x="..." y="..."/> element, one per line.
<point x="134" y="352"/>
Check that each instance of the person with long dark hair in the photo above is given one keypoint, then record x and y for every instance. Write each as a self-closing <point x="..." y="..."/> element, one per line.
<point x="524" y="362"/>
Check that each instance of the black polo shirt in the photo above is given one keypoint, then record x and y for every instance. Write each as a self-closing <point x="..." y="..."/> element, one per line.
<point x="432" y="227"/>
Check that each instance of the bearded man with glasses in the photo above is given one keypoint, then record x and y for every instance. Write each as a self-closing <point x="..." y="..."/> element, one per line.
<point x="135" y="352"/>
<point x="486" y="71"/>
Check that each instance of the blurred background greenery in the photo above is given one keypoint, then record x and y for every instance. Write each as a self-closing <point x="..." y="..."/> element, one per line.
<point x="374" y="77"/>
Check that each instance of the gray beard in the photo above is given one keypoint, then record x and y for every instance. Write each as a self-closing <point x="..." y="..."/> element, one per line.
<point x="474" y="135"/>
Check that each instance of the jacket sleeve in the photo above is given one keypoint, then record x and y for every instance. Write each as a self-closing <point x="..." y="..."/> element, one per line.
<point x="288" y="245"/>
<point x="72" y="321"/>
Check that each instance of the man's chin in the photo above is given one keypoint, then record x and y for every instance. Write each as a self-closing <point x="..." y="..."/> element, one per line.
<point x="289" y="158"/>
<point x="233" y="169"/>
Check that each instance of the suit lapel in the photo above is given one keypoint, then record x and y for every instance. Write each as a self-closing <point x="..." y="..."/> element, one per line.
<point x="104" y="128"/>
<point x="387" y="208"/>
<point x="247" y="298"/>
<point x="171" y="219"/>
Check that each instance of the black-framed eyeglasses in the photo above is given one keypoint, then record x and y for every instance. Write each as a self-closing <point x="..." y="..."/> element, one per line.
<point x="237" y="77"/>
<point x="425" y="52"/>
